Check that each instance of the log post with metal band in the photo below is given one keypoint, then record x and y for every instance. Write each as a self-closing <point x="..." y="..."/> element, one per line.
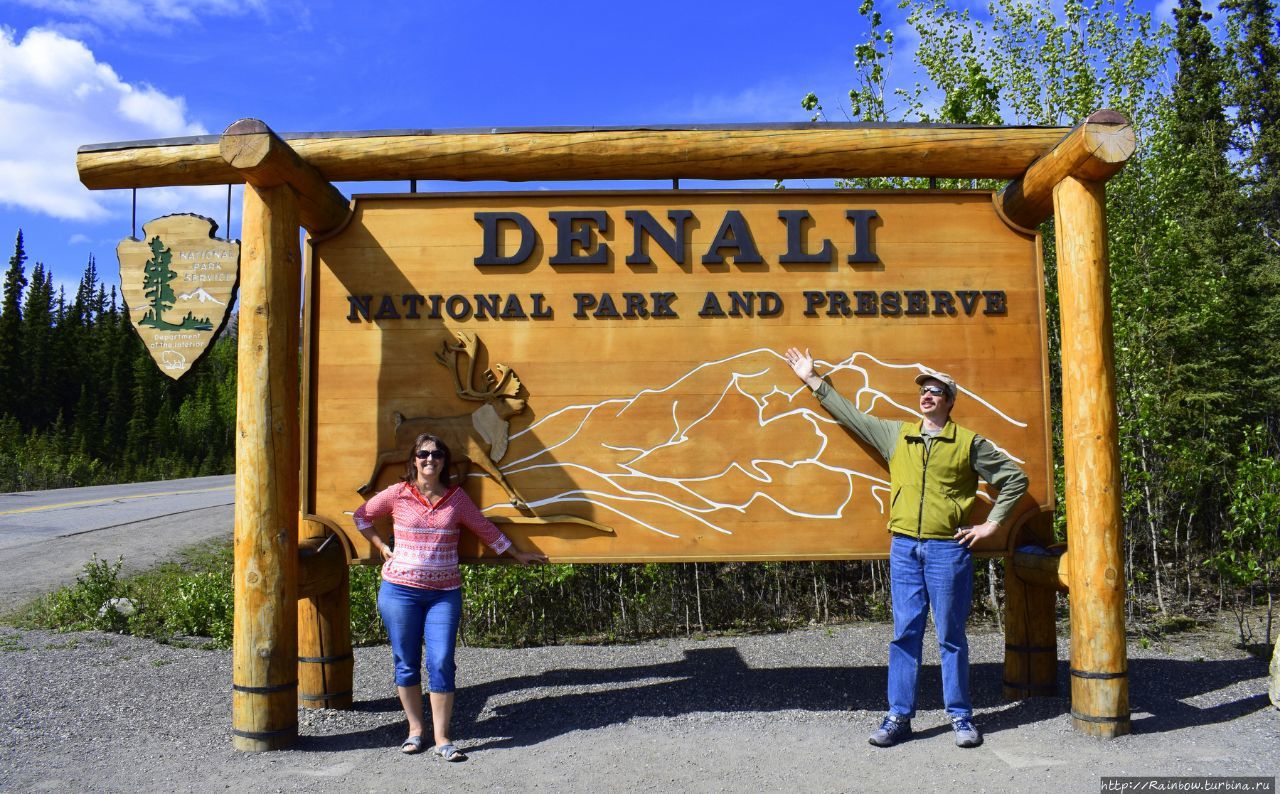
<point x="265" y="644"/>
<point x="1071" y="179"/>
<point x="1099" y="678"/>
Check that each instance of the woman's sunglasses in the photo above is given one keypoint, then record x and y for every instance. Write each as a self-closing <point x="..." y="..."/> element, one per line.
<point x="423" y="454"/>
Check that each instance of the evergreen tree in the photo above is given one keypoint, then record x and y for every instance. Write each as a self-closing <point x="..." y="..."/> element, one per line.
<point x="39" y="404"/>
<point x="11" y="374"/>
<point x="79" y="373"/>
<point x="157" y="276"/>
<point x="119" y="343"/>
<point x="1253" y="50"/>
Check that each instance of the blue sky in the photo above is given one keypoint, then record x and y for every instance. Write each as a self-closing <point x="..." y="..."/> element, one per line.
<point x="74" y="72"/>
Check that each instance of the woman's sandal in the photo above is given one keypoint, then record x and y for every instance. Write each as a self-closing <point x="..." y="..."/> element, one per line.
<point x="411" y="745"/>
<point x="450" y="753"/>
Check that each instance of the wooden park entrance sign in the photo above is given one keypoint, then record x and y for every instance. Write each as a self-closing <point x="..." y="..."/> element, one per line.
<point x="609" y="362"/>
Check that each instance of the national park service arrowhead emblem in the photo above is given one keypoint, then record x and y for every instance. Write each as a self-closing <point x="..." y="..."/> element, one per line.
<point x="178" y="282"/>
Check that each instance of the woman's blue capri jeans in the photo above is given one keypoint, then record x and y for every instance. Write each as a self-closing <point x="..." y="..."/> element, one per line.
<point x="415" y="614"/>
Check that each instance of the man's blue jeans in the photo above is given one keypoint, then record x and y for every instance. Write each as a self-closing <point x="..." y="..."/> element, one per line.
<point x="414" y="614"/>
<point x="924" y="573"/>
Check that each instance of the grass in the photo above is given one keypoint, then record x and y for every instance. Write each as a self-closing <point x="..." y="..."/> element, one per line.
<point x="187" y="602"/>
<point x="171" y="603"/>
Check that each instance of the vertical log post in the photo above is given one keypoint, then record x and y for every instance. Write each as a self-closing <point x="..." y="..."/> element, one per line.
<point x="1099" y="672"/>
<point x="264" y="677"/>
<point x="282" y="192"/>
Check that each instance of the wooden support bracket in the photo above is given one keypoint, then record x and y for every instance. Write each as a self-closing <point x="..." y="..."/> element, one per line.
<point x="322" y="563"/>
<point x="1094" y="151"/>
<point x="1042" y="570"/>
<point x="265" y="160"/>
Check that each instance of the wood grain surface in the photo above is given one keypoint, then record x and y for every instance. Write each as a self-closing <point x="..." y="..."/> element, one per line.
<point x="201" y="274"/>
<point x="265" y="652"/>
<point x="739" y="152"/>
<point x="687" y="435"/>
<point x="1091" y="452"/>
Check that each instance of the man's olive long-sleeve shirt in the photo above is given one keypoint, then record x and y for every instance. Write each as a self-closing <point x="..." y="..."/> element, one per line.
<point x="992" y="465"/>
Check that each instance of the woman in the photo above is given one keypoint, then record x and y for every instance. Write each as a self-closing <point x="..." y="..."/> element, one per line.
<point x="420" y="597"/>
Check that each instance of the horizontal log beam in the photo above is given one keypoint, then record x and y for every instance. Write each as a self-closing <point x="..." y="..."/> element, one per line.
<point x="264" y="161"/>
<point x="782" y="151"/>
<point x="1094" y="151"/>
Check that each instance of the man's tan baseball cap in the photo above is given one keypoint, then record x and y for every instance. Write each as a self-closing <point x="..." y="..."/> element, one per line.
<point x="942" y="377"/>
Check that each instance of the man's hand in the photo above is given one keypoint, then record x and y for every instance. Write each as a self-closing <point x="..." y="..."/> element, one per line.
<point x="802" y="365"/>
<point x="968" y="535"/>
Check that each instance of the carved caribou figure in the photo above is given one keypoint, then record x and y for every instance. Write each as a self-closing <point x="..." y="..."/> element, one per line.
<point x="479" y="437"/>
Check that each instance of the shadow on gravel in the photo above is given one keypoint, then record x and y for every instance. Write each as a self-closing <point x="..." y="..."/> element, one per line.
<point x="717" y="680"/>
<point x="1161" y="689"/>
<point x="1162" y="695"/>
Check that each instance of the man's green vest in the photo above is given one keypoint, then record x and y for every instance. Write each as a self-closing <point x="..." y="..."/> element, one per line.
<point x="934" y="485"/>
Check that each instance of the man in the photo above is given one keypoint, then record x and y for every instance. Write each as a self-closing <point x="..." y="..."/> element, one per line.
<point x="934" y="467"/>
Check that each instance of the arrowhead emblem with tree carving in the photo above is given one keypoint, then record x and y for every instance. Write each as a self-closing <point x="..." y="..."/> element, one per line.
<point x="179" y="282"/>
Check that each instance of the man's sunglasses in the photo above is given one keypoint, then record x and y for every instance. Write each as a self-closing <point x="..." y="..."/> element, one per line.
<point x="423" y="454"/>
<point x="936" y="391"/>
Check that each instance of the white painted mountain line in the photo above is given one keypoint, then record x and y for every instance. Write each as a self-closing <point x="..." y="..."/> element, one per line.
<point x="923" y="369"/>
<point x="680" y="435"/>
<point x="568" y="496"/>
<point x="715" y="506"/>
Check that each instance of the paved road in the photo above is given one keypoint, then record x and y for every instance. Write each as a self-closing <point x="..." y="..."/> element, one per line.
<point x="46" y="537"/>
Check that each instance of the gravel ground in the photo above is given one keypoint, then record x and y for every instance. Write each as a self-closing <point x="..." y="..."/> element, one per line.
<point x="785" y="712"/>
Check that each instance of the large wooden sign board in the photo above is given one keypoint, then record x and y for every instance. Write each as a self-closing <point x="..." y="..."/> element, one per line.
<point x="635" y="342"/>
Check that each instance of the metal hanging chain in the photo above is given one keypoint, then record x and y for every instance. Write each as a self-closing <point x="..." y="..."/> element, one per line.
<point x="226" y="234"/>
<point x="133" y="224"/>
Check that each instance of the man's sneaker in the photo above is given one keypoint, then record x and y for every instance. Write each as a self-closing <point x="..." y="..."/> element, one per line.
<point x="894" y="729"/>
<point x="966" y="734"/>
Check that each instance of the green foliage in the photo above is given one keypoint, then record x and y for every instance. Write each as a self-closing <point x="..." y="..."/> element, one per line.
<point x="366" y="624"/>
<point x="83" y="605"/>
<point x="15" y="281"/>
<point x="84" y="403"/>
<point x="1251" y="541"/>
<point x="512" y="605"/>
<point x="1194" y="227"/>
<point x="193" y="598"/>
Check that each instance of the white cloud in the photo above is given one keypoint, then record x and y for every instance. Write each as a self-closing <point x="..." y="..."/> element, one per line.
<point x="771" y="101"/>
<point x="55" y="96"/>
<point x="156" y="15"/>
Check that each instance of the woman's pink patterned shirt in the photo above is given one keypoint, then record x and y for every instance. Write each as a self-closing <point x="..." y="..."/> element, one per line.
<point x="426" y="549"/>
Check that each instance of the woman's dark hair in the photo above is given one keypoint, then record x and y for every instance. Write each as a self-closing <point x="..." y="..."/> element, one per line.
<point x="446" y="466"/>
